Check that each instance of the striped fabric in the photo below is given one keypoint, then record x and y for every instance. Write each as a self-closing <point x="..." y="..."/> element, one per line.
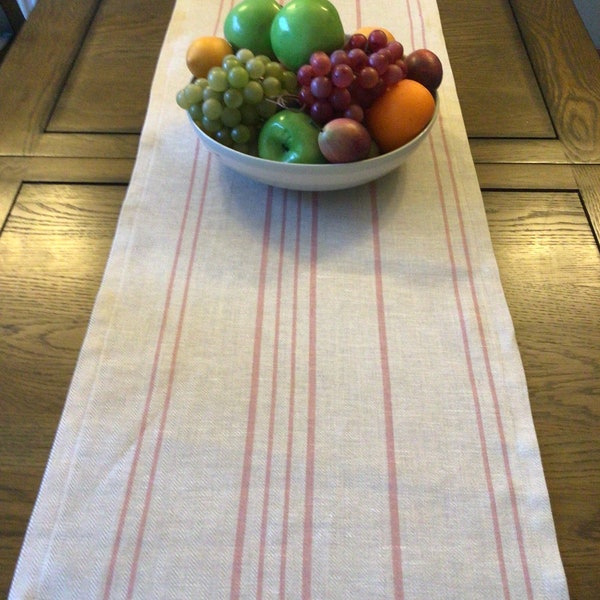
<point x="296" y="395"/>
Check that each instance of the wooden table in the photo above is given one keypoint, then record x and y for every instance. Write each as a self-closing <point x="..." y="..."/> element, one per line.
<point x="73" y="91"/>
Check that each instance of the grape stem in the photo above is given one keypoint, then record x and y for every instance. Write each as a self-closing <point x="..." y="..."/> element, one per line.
<point x="287" y="101"/>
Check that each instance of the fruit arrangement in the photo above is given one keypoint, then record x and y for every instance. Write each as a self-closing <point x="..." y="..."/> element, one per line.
<point x="286" y="83"/>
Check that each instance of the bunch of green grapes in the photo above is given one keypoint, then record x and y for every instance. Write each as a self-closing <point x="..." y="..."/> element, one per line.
<point x="234" y="99"/>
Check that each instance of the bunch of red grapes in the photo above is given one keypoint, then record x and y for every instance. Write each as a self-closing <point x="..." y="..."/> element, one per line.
<point x="348" y="81"/>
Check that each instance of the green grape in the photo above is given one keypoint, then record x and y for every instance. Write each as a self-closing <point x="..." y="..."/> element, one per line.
<point x="244" y="55"/>
<point x="264" y="59"/>
<point x="289" y="82"/>
<point x="202" y="82"/>
<point x="229" y="61"/>
<point x="274" y="69"/>
<point x="238" y="77"/>
<point x="224" y="136"/>
<point x="233" y="98"/>
<point x="211" y="126"/>
<point x="181" y="100"/>
<point x="217" y="79"/>
<point x="231" y="117"/>
<point x="253" y="92"/>
<point x="193" y="93"/>
<point x="250" y="114"/>
<point x="195" y="111"/>
<point x="271" y="87"/>
<point x="210" y="93"/>
<point x="241" y="134"/>
<point x="212" y="109"/>
<point x="256" y="68"/>
<point x="266" y="108"/>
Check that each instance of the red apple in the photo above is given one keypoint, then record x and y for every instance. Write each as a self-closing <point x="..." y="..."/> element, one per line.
<point x="425" y="67"/>
<point x="344" y="140"/>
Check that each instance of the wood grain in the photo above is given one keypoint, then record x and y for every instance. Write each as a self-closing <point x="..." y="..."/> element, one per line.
<point x="568" y="69"/>
<point x="550" y="270"/>
<point x="102" y="56"/>
<point x="520" y="176"/>
<point x="29" y="87"/>
<point x="518" y="151"/>
<point x="52" y="255"/>
<point x="16" y="169"/>
<point x="588" y="180"/>
<point x="121" y="33"/>
<point x="491" y="70"/>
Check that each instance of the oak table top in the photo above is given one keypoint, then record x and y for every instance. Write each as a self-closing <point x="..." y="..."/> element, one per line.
<point x="73" y="94"/>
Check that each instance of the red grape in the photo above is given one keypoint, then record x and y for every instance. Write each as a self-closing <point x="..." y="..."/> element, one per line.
<point x="403" y="66"/>
<point x="321" y="111"/>
<point x="394" y="74"/>
<point x="358" y="58"/>
<point x="321" y="86"/>
<point x="396" y="49"/>
<point x="386" y="54"/>
<point x="377" y="40"/>
<point x="320" y="62"/>
<point x="339" y="57"/>
<point x="347" y="82"/>
<point x="342" y="76"/>
<point x="378" y="89"/>
<point x="305" y="96"/>
<point x="360" y="95"/>
<point x="367" y="78"/>
<point x="305" y="75"/>
<point x="358" y="40"/>
<point x="354" y="111"/>
<point x="340" y="98"/>
<point x="379" y="61"/>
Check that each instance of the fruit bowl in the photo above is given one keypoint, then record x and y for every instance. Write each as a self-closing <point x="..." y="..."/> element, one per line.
<point x="314" y="177"/>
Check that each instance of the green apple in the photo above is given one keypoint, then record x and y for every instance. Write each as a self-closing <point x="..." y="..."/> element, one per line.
<point x="304" y="26"/>
<point x="248" y="25"/>
<point x="290" y="136"/>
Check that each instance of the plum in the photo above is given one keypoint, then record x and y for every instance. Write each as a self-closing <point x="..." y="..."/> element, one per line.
<point x="424" y="66"/>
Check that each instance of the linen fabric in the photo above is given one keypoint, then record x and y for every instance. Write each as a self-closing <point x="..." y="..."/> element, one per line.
<point x="289" y="394"/>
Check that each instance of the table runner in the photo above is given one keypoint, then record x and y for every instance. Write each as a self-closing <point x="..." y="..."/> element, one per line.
<point x="292" y="394"/>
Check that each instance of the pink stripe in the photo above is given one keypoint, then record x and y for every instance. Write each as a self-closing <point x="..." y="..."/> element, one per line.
<point x="153" y="373"/>
<point x="218" y="19"/>
<point x="311" y="410"/>
<point x="490" y="375"/>
<point x="390" y="445"/>
<point x="473" y="383"/>
<point x="169" y="391"/>
<point x="484" y="346"/>
<point x="251" y="424"/>
<point x="412" y="25"/>
<point x="291" y="407"/>
<point x="395" y="538"/>
<point x="274" y="382"/>
<point x="157" y="353"/>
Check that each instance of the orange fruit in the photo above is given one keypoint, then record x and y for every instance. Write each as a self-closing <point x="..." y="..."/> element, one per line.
<point x="367" y="30"/>
<point x="400" y="114"/>
<point x="206" y="52"/>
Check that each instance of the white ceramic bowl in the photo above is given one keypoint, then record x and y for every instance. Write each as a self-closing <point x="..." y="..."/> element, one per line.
<point x="310" y="177"/>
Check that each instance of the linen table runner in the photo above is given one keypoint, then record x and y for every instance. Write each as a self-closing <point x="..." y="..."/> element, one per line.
<point x="289" y="394"/>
